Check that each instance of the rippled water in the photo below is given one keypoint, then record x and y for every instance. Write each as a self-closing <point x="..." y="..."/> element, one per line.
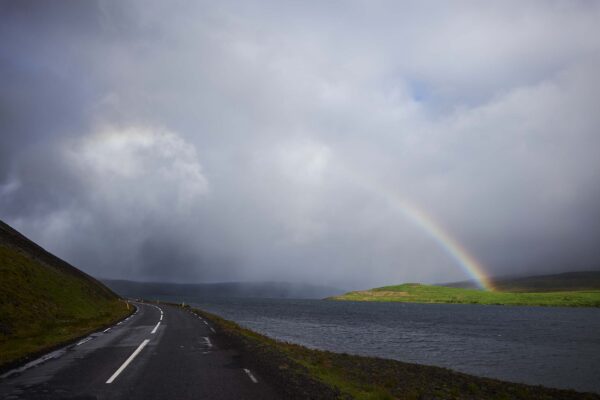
<point x="556" y="347"/>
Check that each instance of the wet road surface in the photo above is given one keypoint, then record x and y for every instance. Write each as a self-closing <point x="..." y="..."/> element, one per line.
<point x="160" y="352"/>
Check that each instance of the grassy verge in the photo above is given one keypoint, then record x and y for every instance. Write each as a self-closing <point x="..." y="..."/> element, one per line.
<point x="418" y="293"/>
<point x="42" y="306"/>
<point x="302" y="373"/>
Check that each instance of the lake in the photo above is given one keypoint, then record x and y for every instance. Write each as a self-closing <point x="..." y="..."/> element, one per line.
<point x="554" y="347"/>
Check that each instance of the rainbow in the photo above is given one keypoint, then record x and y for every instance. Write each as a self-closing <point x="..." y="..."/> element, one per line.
<point x="467" y="261"/>
<point x="453" y="248"/>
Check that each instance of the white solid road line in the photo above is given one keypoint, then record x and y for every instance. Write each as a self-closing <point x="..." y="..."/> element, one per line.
<point x="129" y="360"/>
<point x="56" y="353"/>
<point x="212" y="329"/>
<point x="155" y="328"/>
<point x="157" y="307"/>
<point x="252" y="378"/>
<point x="84" y="341"/>
<point x="35" y="363"/>
<point x="208" y="342"/>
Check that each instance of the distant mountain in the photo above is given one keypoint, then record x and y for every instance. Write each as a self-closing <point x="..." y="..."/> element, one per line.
<point x="45" y="301"/>
<point x="567" y="281"/>
<point x="226" y="289"/>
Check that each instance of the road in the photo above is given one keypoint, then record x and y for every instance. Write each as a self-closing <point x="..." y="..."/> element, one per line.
<point x="161" y="352"/>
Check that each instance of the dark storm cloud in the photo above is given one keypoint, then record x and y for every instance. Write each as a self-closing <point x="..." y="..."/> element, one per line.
<point x="49" y="81"/>
<point x="264" y="140"/>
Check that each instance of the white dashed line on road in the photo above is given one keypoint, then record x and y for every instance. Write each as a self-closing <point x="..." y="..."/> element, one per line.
<point x="128" y="361"/>
<point x="252" y="378"/>
<point x="155" y="328"/>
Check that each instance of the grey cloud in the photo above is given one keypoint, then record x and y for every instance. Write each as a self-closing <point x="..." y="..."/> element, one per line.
<point x="259" y="140"/>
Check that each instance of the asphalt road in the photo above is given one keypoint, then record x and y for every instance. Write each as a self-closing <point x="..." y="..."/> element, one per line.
<point x="144" y="357"/>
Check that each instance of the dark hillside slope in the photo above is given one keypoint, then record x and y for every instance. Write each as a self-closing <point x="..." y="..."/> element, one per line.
<point x="45" y="301"/>
<point x="564" y="282"/>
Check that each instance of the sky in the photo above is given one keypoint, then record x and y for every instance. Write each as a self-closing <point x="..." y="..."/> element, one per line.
<point x="191" y="141"/>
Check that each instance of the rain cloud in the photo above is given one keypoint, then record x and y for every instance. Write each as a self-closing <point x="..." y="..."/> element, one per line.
<point x="262" y="140"/>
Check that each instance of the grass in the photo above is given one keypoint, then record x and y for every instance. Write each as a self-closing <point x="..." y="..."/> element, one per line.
<point x="418" y="293"/>
<point x="42" y="306"/>
<point x="581" y="281"/>
<point x="303" y="373"/>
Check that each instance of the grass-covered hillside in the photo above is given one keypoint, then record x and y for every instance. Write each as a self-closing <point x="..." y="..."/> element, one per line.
<point x="418" y="293"/>
<point x="45" y="301"/>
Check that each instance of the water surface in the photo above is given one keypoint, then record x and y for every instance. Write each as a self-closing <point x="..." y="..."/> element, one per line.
<point x="555" y="347"/>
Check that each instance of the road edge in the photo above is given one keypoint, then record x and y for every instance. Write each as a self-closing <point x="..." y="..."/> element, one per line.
<point x="21" y="362"/>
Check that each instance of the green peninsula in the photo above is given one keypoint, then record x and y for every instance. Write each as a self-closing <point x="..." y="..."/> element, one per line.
<point x="419" y="293"/>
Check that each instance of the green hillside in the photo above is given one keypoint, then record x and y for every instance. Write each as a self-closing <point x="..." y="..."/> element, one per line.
<point x="566" y="281"/>
<point x="45" y="301"/>
<point x="418" y="293"/>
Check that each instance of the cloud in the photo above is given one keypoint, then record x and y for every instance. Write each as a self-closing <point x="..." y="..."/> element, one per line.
<point x="132" y="184"/>
<point x="202" y="141"/>
<point x="135" y="169"/>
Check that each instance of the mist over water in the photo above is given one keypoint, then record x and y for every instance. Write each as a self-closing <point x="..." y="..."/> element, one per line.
<point x="549" y="346"/>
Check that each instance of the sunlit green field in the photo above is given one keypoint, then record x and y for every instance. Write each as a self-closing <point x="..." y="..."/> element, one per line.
<point x="418" y="293"/>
